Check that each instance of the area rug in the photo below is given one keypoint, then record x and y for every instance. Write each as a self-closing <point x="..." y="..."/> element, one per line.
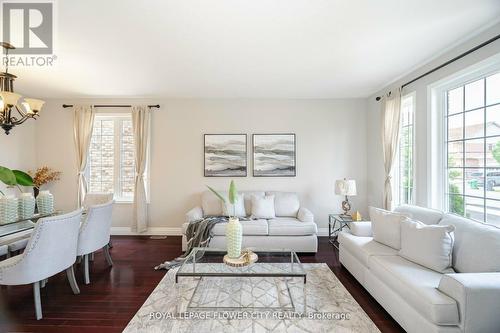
<point x="329" y="306"/>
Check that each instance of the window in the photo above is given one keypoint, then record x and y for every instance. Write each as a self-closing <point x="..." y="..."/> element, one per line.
<point x="403" y="177"/>
<point x="111" y="157"/>
<point x="472" y="120"/>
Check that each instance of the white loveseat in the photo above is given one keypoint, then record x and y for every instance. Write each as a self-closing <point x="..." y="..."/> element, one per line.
<point x="293" y="228"/>
<point x="423" y="300"/>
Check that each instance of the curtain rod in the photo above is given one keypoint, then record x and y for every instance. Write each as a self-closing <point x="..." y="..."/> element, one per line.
<point x="489" y="41"/>
<point x="112" y="106"/>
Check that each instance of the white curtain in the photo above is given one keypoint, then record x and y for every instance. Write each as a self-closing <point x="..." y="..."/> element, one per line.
<point x="141" y="119"/>
<point x="83" y="122"/>
<point x="390" y="135"/>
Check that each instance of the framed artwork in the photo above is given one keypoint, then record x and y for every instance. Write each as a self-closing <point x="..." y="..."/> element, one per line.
<point x="274" y="155"/>
<point x="225" y="155"/>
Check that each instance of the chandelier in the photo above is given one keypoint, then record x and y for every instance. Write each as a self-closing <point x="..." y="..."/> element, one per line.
<point x="12" y="113"/>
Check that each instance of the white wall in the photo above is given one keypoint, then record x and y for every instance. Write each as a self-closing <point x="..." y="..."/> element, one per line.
<point x="331" y="144"/>
<point x="422" y="137"/>
<point x="17" y="150"/>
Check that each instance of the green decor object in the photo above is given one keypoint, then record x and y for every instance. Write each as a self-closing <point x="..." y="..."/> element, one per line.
<point x="45" y="202"/>
<point x="26" y="205"/>
<point x="8" y="209"/>
<point x="15" y="178"/>
<point x="234" y="230"/>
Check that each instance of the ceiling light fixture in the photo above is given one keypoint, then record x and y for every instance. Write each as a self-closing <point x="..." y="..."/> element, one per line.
<point x="28" y="108"/>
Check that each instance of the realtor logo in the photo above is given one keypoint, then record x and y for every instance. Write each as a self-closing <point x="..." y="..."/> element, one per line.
<point x="28" y="26"/>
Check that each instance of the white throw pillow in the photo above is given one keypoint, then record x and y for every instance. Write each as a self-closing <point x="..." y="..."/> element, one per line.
<point x="263" y="207"/>
<point x="239" y="206"/>
<point x="428" y="245"/>
<point x="386" y="227"/>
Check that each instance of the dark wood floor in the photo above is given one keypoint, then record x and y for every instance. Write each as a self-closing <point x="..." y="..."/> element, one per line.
<point x="115" y="294"/>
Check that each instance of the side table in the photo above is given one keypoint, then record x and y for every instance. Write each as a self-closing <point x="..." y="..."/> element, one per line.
<point x="337" y="222"/>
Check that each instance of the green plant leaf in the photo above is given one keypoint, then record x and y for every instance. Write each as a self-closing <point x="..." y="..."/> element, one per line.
<point x="7" y="176"/>
<point x="233" y="193"/>
<point x="22" y="178"/>
<point x="217" y="194"/>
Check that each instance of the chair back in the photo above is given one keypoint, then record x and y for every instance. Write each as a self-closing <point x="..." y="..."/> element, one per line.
<point x="95" y="230"/>
<point x="51" y="248"/>
<point x="96" y="198"/>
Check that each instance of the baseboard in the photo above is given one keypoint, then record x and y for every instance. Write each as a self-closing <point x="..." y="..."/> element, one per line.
<point x="322" y="231"/>
<point x="126" y="231"/>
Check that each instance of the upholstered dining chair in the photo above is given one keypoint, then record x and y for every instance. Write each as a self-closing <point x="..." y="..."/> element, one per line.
<point x="50" y="250"/>
<point x="97" y="198"/>
<point x="95" y="234"/>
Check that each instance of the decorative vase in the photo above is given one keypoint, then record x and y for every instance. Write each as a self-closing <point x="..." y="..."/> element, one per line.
<point x="45" y="202"/>
<point x="8" y="209"/>
<point x="26" y="205"/>
<point x="36" y="191"/>
<point x="234" y="236"/>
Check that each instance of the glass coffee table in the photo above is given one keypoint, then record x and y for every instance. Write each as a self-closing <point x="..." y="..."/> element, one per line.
<point x="276" y="282"/>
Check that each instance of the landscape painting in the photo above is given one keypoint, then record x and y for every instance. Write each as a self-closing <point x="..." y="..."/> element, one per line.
<point x="274" y="155"/>
<point x="225" y="155"/>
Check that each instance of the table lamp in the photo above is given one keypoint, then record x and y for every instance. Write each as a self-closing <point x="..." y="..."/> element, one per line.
<point x="346" y="187"/>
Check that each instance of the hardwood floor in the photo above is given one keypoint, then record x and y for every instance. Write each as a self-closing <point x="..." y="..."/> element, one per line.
<point x="115" y="294"/>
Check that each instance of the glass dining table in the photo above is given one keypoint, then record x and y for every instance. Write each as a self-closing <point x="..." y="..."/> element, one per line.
<point x="23" y="224"/>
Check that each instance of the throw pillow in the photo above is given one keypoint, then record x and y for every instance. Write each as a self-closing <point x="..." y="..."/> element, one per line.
<point x="386" y="227"/>
<point x="239" y="207"/>
<point x="428" y="245"/>
<point x="263" y="207"/>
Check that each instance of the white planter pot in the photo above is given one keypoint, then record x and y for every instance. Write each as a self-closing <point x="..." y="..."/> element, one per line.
<point x="26" y="205"/>
<point x="234" y="236"/>
<point x="8" y="209"/>
<point x="45" y="202"/>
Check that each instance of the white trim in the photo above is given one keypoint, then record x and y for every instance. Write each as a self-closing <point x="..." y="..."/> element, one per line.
<point x="126" y="231"/>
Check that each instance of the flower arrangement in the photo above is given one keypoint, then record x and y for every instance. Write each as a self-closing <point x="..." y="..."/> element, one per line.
<point x="44" y="175"/>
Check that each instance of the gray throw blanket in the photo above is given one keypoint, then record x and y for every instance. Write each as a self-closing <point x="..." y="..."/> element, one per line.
<point x="198" y="234"/>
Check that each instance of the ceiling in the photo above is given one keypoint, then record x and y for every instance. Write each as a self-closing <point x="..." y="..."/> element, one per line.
<point x="246" y="48"/>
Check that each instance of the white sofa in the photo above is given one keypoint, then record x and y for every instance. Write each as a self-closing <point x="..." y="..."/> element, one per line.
<point x="423" y="300"/>
<point x="293" y="228"/>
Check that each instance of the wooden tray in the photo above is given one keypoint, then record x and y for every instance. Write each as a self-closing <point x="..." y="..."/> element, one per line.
<point x="241" y="262"/>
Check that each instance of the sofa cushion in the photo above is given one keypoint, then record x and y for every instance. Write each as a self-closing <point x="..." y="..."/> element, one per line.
<point x="250" y="228"/>
<point x="477" y="245"/>
<point x="239" y="207"/>
<point x="418" y="286"/>
<point x="263" y="207"/>
<point x="286" y="204"/>
<point x="386" y="227"/>
<point x="424" y="215"/>
<point x="211" y="204"/>
<point x="248" y="199"/>
<point x="364" y="247"/>
<point x="289" y="226"/>
<point x="428" y="245"/>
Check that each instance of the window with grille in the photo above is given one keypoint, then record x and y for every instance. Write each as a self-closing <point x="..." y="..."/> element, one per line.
<point x="403" y="175"/>
<point x="472" y="148"/>
<point x="111" y="166"/>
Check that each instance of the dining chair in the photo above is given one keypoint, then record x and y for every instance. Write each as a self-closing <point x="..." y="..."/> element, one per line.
<point x="51" y="249"/>
<point x="94" y="235"/>
<point x="97" y="198"/>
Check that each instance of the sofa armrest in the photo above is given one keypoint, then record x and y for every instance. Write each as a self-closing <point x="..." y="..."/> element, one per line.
<point x="361" y="229"/>
<point x="194" y="214"/>
<point x="305" y="215"/>
<point x="478" y="299"/>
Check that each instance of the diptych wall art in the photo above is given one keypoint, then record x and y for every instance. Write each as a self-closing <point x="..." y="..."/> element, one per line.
<point x="225" y="155"/>
<point x="274" y="155"/>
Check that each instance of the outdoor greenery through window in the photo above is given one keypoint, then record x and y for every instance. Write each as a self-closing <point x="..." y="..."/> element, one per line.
<point x="111" y="158"/>
<point x="403" y="178"/>
<point x="473" y="149"/>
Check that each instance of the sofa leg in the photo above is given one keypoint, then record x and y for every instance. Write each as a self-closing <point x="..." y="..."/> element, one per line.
<point x="38" y="303"/>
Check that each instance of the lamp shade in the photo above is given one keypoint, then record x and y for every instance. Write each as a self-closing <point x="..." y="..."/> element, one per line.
<point x="9" y="98"/>
<point x="35" y="105"/>
<point x="345" y="187"/>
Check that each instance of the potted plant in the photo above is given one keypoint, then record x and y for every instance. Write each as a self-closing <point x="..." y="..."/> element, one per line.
<point x="42" y="176"/>
<point x="10" y="207"/>
<point x="234" y="231"/>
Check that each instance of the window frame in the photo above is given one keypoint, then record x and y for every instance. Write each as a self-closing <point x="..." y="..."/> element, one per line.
<point x="436" y="127"/>
<point x="396" y="170"/>
<point x="117" y="118"/>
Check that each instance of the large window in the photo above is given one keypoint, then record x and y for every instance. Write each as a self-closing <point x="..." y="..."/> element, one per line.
<point x="472" y="148"/>
<point x="111" y="159"/>
<point x="403" y="176"/>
